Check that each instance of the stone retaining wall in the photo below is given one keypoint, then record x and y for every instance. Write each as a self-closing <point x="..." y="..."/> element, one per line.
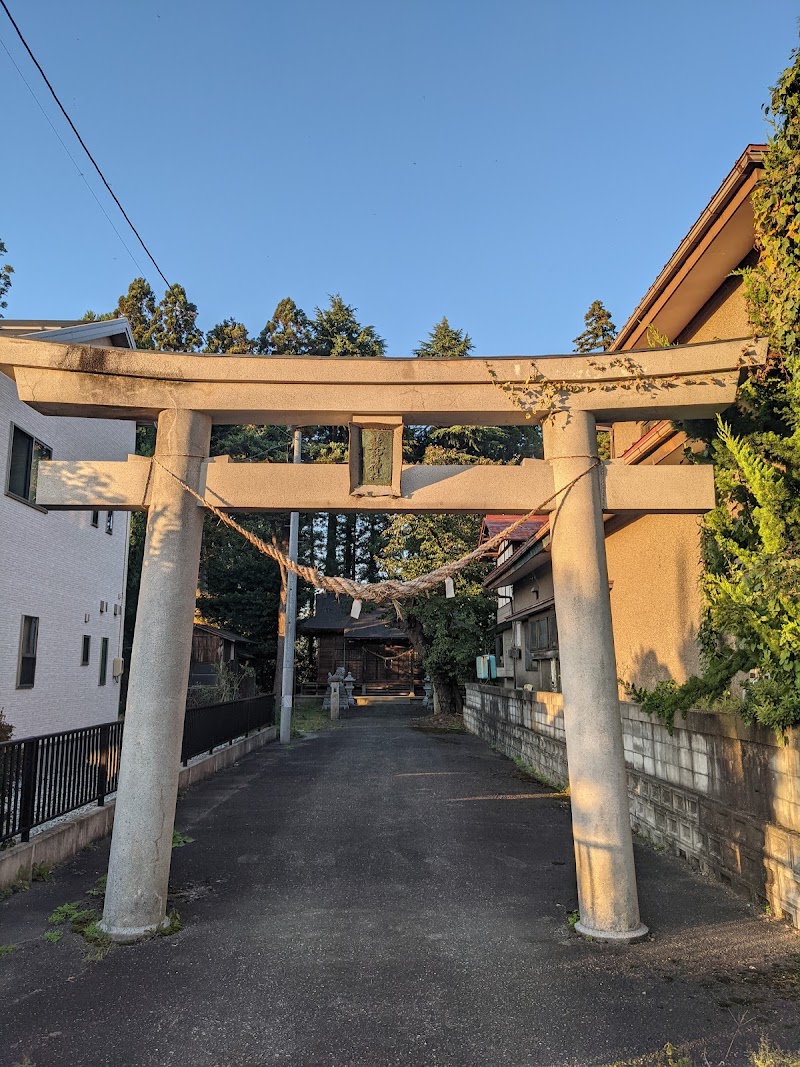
<point x="722" y="795"/>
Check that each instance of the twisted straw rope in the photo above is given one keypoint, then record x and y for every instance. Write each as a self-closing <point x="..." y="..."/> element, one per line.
<point x="390" y="591"/>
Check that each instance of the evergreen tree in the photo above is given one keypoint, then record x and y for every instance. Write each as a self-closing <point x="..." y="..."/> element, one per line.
<point x="6" y="270"/>
<point x="600" y="330"/>
<point x="240" y="587"/>
<point x="337" y="332"/>
<point x="288" y="332"/>
<point x="138" y="306"/>
<point x="753" y="538"/>
<point x="445" y="343"/>
<point x="229" y="337"/>
<point x="175" y="324"/>
<point x="447" y="632"/>
<point x="465" y="444"/>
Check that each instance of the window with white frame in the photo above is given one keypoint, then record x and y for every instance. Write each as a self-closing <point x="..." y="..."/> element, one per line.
<point x="23" y="467"/>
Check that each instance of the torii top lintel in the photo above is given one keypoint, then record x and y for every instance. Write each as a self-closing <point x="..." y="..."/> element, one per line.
<point x="680" y="382"/>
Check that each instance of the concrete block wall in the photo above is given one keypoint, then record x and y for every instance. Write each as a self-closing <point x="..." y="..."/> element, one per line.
<point x="721" y="795"/>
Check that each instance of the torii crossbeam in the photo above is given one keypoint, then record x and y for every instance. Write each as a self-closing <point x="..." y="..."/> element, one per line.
<point x="186" y="394"/>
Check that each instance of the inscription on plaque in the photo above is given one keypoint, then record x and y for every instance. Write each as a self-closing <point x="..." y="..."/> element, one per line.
<point x="376" y="456"/>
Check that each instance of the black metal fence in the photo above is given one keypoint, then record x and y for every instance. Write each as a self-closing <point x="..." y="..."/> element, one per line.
<point x="44" y="777"/>
<point x="204" y="729"/>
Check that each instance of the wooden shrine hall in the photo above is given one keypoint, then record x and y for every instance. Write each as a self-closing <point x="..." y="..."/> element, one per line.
<point x="377" y="654"/>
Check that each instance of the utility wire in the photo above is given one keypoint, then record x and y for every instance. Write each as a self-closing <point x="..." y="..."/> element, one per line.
<point x="81" y="140"/>
<point x="74" y="161"/>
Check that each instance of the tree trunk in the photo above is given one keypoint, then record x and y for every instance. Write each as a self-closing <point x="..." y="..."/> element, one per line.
<point x="448" y="695"/>
<point x="375" y="527"/>
<point x="350" y="546"/>
<point x="330" y="545"/>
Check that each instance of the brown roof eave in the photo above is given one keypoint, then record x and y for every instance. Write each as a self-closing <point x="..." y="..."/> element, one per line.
<point x="731" y="187"/>
<point x="506" y="573"/>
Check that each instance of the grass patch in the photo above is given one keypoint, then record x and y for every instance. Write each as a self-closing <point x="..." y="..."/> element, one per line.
<point x="82" y="921"/>
<point x="173" y="925"/>
<point x="99" y="887"/>
<point x="766" y="1055"/>
<point x="179" y="839"/>
<point x="573" y="919"/>
<point x="21" y="884"/>
<point x="312" y="720"/>
<point x="64" y="913"/>
<point x="98" y="942"/>
<point x="6" y="950"/>
<point x="53" y="936"/>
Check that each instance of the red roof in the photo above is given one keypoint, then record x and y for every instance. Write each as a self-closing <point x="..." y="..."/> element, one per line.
<point x="493" y="524"/>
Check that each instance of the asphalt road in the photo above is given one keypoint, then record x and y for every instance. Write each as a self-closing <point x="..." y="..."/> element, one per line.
<point x="376" y="896"/>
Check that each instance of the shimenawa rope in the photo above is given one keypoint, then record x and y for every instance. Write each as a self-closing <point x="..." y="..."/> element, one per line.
<point x="390" y="591"/>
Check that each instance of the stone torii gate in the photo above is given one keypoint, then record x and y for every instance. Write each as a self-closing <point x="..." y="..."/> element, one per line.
<point x="186" y="394"/>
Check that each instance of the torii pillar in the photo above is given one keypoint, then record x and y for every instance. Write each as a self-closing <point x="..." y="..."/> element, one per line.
<point x="141" y="852"/>
<point x="607" y="897"/>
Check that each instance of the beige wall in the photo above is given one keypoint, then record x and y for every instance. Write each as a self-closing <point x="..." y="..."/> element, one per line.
<point x="723" y="316"/>
<point x="654" y="562"/>
<point x="654" y="567"/>
<point x="654" y="570"/>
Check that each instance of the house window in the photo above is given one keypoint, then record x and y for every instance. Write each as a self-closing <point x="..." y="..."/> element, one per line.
<point x="28" y="640"/>
<point x="109" y="522"/>
<point x="103" y="661"/>
<point x="95" y="518"/>
<point x="541" y="651"/>
<point x="85" y="650"/>
<point x="23" y="469"/>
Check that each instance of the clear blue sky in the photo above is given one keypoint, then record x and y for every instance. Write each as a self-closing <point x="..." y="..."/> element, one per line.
<point x="502" y="163"/>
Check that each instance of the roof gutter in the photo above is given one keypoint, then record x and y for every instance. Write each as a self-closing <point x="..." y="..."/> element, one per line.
<point x="751" y="158"/>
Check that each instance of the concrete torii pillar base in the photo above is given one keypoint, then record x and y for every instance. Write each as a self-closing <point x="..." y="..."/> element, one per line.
<point x="607" y="896"/>
<point x="141" y="845"/>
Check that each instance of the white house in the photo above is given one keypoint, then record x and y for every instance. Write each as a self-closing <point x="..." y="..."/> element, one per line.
<point x="62" y="574"/>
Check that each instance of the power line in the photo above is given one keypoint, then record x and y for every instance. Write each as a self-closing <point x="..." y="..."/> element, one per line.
<point x="81" y="140"/>
<point x="74" y="161"/>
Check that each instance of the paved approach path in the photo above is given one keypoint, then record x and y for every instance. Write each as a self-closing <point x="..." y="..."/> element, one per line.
<point x="376" y="896"/>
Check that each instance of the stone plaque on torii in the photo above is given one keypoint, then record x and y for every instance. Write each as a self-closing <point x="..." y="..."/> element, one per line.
<point x="187" y="394"/>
